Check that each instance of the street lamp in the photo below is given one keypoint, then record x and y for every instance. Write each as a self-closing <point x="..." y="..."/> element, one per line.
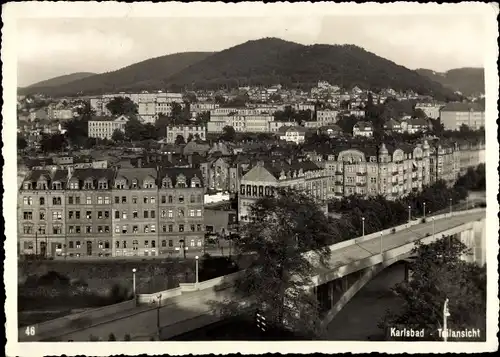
<point x="158" y="315"/>
<point x="446" y="313"/>
<point x="451" y="200"/>
<point x="196" y="270"/>
<point x="433" y="227"/>
<point x="381" y="244"/>
<point x="133" y="280"/>
<point x="363" y="225"/>
<point x="424" y="210"/>
<point x="409" y="213"/>
<point x="467" y="203"/>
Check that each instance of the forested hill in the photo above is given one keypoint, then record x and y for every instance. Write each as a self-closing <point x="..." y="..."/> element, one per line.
<point x="468" y="81"/>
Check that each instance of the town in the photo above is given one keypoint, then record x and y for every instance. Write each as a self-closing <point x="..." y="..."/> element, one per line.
<point x="159" y="174"/>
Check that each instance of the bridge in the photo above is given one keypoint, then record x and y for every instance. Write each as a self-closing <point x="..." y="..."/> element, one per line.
<point x="352" y="264"/>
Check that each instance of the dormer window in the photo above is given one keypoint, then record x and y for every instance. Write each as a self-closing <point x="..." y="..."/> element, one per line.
<point x="41" y="185"/>
<point x="73" y="185"/>
<point x="27" y="185"/>
<point x="148" y="184"/>
<point x="89" y="184"/>
<point x="56" y="185"/>
<point x="166" y="183"/>
<point x="195" y="182"/>
<point x="103" y="185"/>
<point x="181" y="181"/>
<point x="134" y="183"/>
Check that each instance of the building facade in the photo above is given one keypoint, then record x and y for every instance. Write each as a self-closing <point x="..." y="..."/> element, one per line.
<point x="185" y="131"/>
<point x="454" y="115"/>
<point x="104" y="127"/>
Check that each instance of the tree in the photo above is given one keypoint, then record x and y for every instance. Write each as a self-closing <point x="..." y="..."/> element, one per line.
<point x="118" y="136"/>
<point x="134" y="130"/>
<point x="190" y="97"/>
<point x="280" y="229"/>
<point x="439" y="273"/>
<point x="122" y="106"/>
<point x="346" y="123"/>
<point x="203" y="118"/>
<point x="179" y="140"/>
<point x="275" y="97"/>
<point x="219" y="99"/>
<point x="21" y="143"/>
<point x="228" y="133"/>
<point x="419" y="113"/>
<point x="52" y="142"/>
<point x="190" y="137"/>
<point x="112" y="337"/>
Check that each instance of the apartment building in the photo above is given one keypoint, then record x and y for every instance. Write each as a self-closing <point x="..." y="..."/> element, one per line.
<point x="274" y="126"/>
<point x="104" y="127"/>
<point x="454" y="115"/>
<point x="363" y="128"/>
<point x="181" y="219"/>
<point x="55" y="113"/>
<point x="263" y="179"/>
<point x="135" y="210"/>
<point x="247" y="120"/>
<point x="201" y="107"/>
<point x="41" y="213"/>
<point x="417" y="125"/>
<point x="88" y="204"/>
<point x="185" y="131"/>
<point x="327" y="116"/>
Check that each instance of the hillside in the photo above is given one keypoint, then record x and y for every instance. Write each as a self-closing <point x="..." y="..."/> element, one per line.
<point x="469" y="81"/>
<point x="262" y="62"/>
<point x="271" y="61"/>
<point x="58" y="81"/>
<point x="148" y="74"/>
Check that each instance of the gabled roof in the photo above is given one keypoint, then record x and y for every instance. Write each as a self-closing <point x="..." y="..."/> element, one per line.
<point x="462" y="107"/>
<point x="174" y="172"/>
<point x="90" y="173"/>
<point x="136" y="173"/>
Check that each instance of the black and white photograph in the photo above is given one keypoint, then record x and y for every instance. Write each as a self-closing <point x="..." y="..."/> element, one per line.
<point x="252" y="177"/>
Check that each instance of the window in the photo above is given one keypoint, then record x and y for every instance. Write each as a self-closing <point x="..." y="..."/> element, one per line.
<point x="124" y="199"/>
<point x="88" y="229"/>
<point x="135" y="229"/>
<point x="77" y="229"/>
<point x="164" y="228"/>
<point x="99" y="215"/>
<point x="198" y="227"/>
<point x="100" y="245"/>
<point x="153" y="244"/>
<point x="117" y="229"/>
<point x="42" y="201"/>
<point x="56" y="230"/>
<point x="70" y="200"/>
<point x="78" y="244"/>
<point x="170" y="213"/>
<point x="146" y="229"/>
<point x="71" y="244"/>
<point x="181" y="228"/>
<point x="191" y="213"/>
<point x="106" y="214"/>
<point x="153" y="228"/>
<point x="191" y="199"/>
<point x="170" y="227"/>
<point x="146" y="199"/>
<point x="99" y="200"/>
<point x="106" y="244"/>
<point x="28" y="215"/>
<point x="163" y="213"/>
<point x="181" y="199"/>
<point x="146" y="214"/>
<point x="124" y="215"/>
<point x="198" y="212"/>
<point x="134" y="200"/>
<point x="153" y="200"/>
<point x="71" y="229"/>
<point x="77" y="200"/>
<point x="146" y="243"/>
<point x="192" y="228"/>
<point x="117" y="199"/>
<point x="28" y="229"/>
<point x="89" y="200"/>
<point x="170" y="199"/>
<point x="164" y="243"/>
<point x="106" y="200"/>
<point x="134" y="214"/>
<point x="124" y="244"/>
<point x="28" y="201"/>
<point x="57" y="216"/>
<point x="56" y="200"/>
<point x="199" y="199"/>
<point x="103" y="185"/>
<point x="170" y="243"/>
<point x="153" y="214"/>
<point x="88" y="214"/>
<point x="117" y="214"/>
<point x="99" y="229"/>
<point x="106" y="229"/>
<point x="124" y="229"/>
<point x="163" y="199"/>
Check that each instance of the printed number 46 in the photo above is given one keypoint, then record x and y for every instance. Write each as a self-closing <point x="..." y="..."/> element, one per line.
<point x="30" y="331"/>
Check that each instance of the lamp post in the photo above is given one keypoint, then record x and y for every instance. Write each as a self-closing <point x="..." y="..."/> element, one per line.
<point x="363" y="225"/>
<point x="467" y="203"/>
<point x="158" y="315"/>
<point x="133" y="280"/>
<point x="446" y="313"/>
<point x="424" y="210"/>
<point x="196" y="270"/>
<point x="451" y="200"/>
<point x="433" y="227"/>
<point x="381" y="243"/>
<point x="409" y="213"/>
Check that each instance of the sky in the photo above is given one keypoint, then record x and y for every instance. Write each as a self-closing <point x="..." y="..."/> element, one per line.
<point x="50" y="47"/>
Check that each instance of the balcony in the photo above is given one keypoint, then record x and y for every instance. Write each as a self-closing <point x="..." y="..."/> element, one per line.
<point x="360" y="183"/>
<point x="361" y="173"/>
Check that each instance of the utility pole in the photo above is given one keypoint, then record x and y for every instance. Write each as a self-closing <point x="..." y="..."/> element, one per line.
<point x="158" y="316"/>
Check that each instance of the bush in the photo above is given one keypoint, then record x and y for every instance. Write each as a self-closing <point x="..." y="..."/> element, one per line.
<point x="423" y="220"/>
<point x="127" y="337"/>
<point x="112" y="337"/>
<point x="119" y="293"/>
<point x="93" y="338"/>
<point x="393" y="231"/>
<point x="53" y="278"/>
